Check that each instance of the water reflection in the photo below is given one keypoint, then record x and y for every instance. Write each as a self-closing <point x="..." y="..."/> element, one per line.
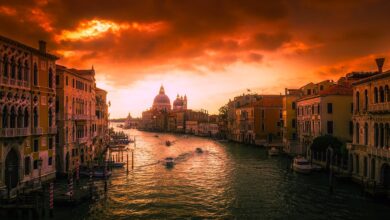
<point x="225" y="181"/>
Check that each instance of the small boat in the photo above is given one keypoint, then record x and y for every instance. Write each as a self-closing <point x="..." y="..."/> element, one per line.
<point x="315" y="167"/>
<point x="199" y="150"/>
<point x="114" y="164"/>
<point x="301" y="165"/>
<point x="97" y="172"/>
<point x="168" y="143"/>
<point x="273" y="151"/>
<point x="169" y="161"/>
<point x="156" y="135"/>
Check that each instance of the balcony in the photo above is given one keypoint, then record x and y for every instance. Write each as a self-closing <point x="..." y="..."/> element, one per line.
<point x="82" y="140"/>
<point x="52" y="130"/>
<point x="80" y="117"/>
<point x="379" y="107"/>
<point x="37" y="131"/>
<point x="379" y="152"/>
<point x="14" y="132"/>
<point x="13" y="82"/>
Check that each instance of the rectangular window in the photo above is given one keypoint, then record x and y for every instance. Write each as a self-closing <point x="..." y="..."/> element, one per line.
<point x="35" y="166"/>
<point x="36" y="145"/>
<point x="293" y="105"/>
<point x="308" y="92"/>
<point x="57" y="79"/>
<point x="73" y="83"/>
<point x="351" y="107"/>
<point x="27" y="165"/>
<point x="50" y="143"/>
<point x="50" y="161"/>
<point x="66" y="80"/>
<point x="330" y="127"/>
<point x="330" y="108"/>
<point x="262" y="113"/>
<point x="293" y="123"/>
<point x="350" y="128"/>
<point x="262" y="127"/>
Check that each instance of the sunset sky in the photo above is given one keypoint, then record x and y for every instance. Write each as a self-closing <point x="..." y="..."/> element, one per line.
<point x="211" y="50"/>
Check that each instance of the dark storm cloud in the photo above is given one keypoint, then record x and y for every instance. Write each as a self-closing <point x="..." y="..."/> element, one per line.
<point x="333" y="31"/>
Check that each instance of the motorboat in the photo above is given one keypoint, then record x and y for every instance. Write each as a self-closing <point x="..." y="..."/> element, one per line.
<point x="273" y="151"/>
<point x="169" y="161"/>
<point x="199" y="150"/>
<point x="114" y="164"/>
<point x="301" y="165"/>
<point x="168" y="143"/>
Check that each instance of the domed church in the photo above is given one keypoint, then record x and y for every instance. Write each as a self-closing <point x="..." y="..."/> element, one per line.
<point x="180" y="103"/>
<point x="161" y="101"/>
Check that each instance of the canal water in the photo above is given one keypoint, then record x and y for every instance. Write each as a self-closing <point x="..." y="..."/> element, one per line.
<point x="226" y="181"/>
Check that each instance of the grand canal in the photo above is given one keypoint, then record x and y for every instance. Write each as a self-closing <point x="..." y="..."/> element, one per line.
<point x="227" y="181"/>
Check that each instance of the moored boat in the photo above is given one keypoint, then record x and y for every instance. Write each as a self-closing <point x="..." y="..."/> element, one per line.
<point x="301" y="165"/>
<point x="168" y="143"/>
<point x="169" y="161"/>
<point x="199" y="150"/>
<point x="273" y="151"/>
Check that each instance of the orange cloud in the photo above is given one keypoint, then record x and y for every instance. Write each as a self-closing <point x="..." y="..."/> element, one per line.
<point x="92" y="29"/>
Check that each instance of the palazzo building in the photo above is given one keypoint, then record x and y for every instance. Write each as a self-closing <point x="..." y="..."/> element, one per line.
<point x="76" y="111"/>
<point x="369" y="153"/>
<point x="27" y="115"/>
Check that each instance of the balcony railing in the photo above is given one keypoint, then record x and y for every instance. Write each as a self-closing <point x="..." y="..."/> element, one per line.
<point x="37" y="131"/>
<point x="14" y="132"/>
<point x="52" y="130"/>
<point x="379" y="107"/>
<point x="379" y="152"/>
<point x="81" y="117"/>
<point x="13" y="82"/>
<point x="82" y="140"/>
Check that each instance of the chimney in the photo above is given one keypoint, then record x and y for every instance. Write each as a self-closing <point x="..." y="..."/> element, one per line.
<point x="379" y="63"/>
<point x="42" y="46"/>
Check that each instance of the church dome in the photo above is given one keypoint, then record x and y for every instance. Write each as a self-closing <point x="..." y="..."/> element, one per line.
<point x="178" y="101"/>
<point x="161" y="101"/>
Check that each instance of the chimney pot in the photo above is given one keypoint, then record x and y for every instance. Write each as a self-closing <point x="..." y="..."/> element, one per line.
<point x="42" y="46"/>
<point x="379" y="63"/>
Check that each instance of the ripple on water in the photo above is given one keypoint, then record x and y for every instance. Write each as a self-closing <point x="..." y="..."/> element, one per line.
<point x="227" y="181"/>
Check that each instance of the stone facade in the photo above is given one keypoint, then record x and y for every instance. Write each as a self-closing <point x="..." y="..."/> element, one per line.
<point x="27" y="104"/>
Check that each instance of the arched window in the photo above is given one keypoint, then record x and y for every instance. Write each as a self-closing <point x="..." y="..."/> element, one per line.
<point x="50" y="78"/>
<point x="365" y="134"/>
<point x="50" y="118"/>
<point x="365" y="99"/>
<point x="376" y="135"/>
<point x="12" y="122"/>
<point x="20" y="118"/>
<point x="5" y="117"/>
<point x="381" y="94"/>
<point x="381" y="135"/>
<point x="20" y="72"/>
<point x="35" y="74"/>
<point x="357" y="101"/>
<point x="27" y="165"/>
<point x="375" y="95"/>
<point x="357" y="133"/>
<point x="26" y="70"/>
<point x="13" y="68"/>
<point x="5" y="66"/>
<point x="387" y="93"/>
<point x="35" y="117"/>
<point x="26" y="118"/>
